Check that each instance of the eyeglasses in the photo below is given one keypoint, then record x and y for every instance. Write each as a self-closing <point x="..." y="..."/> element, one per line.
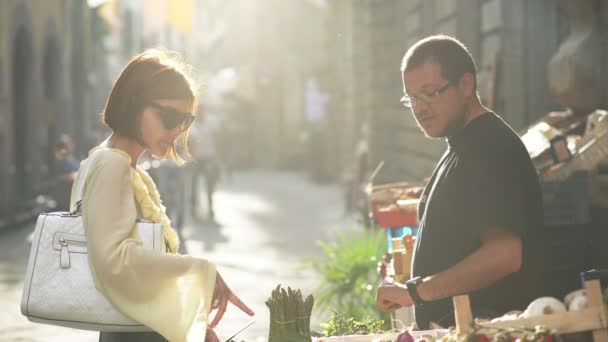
<point x="172" y="118"/>
<point x="410" y="101"/>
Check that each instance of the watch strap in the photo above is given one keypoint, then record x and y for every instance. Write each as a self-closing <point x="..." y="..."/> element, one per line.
<point x="412" y="288"/>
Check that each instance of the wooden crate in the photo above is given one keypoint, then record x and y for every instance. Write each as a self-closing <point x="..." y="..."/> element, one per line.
<point x="383" y="193"/>
<point x="593" y="318"/>
<point x="385" y="209"/>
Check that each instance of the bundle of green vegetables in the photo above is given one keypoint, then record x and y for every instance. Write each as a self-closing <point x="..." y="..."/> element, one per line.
<point x="289" y="315"/>
<point x="341" y="325"/>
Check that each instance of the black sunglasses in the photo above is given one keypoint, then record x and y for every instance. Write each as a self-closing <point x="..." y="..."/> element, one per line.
<point x="172" y="118"/>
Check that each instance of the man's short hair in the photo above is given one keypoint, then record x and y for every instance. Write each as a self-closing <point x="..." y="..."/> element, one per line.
<point x="452" y="56"/>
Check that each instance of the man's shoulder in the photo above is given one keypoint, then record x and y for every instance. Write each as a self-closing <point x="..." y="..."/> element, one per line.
<point x="498" y="140"/>
<point x="496" y="129"/>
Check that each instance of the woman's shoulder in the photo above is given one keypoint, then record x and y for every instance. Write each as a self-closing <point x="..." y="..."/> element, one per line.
<point x="102" y="168"/>
<point x="107" y="163"/>
<point x="109" y="156"/>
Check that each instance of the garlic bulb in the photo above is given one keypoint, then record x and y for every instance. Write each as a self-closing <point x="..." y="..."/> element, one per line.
<point x="578" y="303"/>
<point x="544" y="306"/>
<point x="570" y="296"/>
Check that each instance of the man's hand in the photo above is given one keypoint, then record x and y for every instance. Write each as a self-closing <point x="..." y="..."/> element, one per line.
<point x="392" y="296"/>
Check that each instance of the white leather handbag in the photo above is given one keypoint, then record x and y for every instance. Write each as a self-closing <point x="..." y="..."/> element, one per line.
<point x="59" y="288"/>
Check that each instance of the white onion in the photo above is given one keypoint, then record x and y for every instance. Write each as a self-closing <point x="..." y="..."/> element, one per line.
<point x="544" y="306"/>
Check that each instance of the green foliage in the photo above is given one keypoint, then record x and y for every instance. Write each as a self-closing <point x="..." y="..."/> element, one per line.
<point x="341" y="325"/>
<point x="348" y="269"/>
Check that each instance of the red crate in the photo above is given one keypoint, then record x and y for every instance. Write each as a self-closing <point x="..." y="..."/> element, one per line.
<point x="392" y="217"/>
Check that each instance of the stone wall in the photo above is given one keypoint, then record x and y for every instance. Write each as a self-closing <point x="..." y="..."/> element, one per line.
<point x="37" y="74"/>
<point x="512" y="42"/>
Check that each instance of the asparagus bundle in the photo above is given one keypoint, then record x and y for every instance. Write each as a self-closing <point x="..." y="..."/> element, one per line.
<point x="289" y="315"/>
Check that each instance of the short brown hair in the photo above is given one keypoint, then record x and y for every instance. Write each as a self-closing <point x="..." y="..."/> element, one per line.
<point x="154" y="74"/>
<point x="451" y="54"/>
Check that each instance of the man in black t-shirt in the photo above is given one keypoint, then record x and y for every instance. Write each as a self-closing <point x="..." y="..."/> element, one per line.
<point x="481" y="211"/>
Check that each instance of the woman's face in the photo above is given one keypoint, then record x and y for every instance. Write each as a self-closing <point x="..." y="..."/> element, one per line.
<point x="157" y="138"/>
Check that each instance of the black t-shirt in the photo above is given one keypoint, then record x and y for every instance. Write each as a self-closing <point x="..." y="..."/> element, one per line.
<point x="484" y="180"/>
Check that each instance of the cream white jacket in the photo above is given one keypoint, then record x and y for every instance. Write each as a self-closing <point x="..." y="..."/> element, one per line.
<point x="169" y="293"/>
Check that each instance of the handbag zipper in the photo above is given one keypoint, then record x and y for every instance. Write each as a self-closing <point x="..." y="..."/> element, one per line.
<point x="63" y="241"/>
<point x="64" y="255"/>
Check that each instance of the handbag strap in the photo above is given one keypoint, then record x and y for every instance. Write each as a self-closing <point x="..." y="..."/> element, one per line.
<point x="77" y="208"/>
<point x="80" y="184"/>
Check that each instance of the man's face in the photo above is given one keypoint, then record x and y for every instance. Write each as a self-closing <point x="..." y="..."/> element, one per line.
<point x="437" y="105"/>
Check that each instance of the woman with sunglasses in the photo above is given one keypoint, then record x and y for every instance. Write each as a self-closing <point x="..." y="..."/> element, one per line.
<point x="149" y="107"/>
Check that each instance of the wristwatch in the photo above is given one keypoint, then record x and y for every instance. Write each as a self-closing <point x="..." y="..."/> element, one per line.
<point x="413" y="290"/>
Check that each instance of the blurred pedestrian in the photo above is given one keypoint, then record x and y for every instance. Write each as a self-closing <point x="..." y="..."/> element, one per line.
<point x="357" y="198"/>
<point x="206" y="162"/>
<point x="148" y="109"/>
<point x="66" y="168"/>
<point x="70" y="150"/>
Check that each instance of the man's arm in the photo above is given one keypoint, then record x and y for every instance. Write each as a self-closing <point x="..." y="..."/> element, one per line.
<point x="499" y="255"/>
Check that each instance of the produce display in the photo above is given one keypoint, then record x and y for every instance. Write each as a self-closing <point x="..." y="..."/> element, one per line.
<point x="561" y="143"/>
<point x="428" y="335"/>
<point x="396" y="198"/>
<point x="581" y="311"/>
<point x="395" y="205"/>
<point x="402" y="258"/>
<point x="576" y="313"/>
<point x="480" y="334"/>
<point x="340" y="325"/>
<point x="289" y="315"/>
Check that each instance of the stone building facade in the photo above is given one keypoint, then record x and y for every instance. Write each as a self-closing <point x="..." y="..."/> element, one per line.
<point x="512" y="42"/>
<point x="44" y="93"/>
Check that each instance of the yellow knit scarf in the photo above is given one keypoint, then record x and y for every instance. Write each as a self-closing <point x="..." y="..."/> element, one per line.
<point x="152" y="209"/>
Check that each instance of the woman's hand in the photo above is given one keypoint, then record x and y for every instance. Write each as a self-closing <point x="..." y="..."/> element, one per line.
<point x="221" y="296"/>
<point x="211" y="336"/>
